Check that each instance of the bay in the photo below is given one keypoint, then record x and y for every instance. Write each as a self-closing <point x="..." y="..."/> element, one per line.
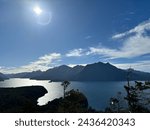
<point x="97" y="93"/>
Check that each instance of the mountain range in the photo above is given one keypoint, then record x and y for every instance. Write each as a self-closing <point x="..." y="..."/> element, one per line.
<point x="91" y="72"/>
<point x="3" y="77"/>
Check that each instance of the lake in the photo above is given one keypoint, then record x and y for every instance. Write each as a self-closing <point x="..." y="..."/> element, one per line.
<point x="97" y="93"/>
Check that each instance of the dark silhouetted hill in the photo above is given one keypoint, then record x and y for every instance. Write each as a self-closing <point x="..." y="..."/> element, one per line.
<point x="139" y="75"/>
<point x="101" y="72"/>
<point x="3" y="77"/>
<point x="61" y="73"/>
<point x="25" y="74"/>
<point x="91" y="72"/>
<point x="57" y="73"/>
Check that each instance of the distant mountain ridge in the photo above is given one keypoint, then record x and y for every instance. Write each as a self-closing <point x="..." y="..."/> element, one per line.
<point x="63" y="72"/>
<point x="3" y="77"/>
<point x="25" y="74"/>
<point x="91" y="72"/>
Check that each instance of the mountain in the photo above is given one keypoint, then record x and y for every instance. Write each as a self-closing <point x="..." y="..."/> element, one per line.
<point x="91" y="72"/>
<point x="57" y="73"/>
<point x="3" y="77"/>
<point x="61" y="73"/>
<point x="101" y="72"/>
<point x="25" y="74"/>
<point x="139" y="75"/>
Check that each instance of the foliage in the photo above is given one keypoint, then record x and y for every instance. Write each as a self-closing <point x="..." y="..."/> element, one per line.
<point x="135" y="99"/>
<point x="65" y="85"/>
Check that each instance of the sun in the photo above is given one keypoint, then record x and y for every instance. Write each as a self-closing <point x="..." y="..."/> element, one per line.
<point x="37" y="10"/>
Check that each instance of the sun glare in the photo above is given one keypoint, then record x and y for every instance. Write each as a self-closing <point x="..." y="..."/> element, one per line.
<point x="37" y="10"/>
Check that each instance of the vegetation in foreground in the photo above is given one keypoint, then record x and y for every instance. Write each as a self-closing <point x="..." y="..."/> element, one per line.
<point x="137" y="99"/>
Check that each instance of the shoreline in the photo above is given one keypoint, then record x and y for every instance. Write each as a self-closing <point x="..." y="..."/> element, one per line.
<point x="24" y="100"/>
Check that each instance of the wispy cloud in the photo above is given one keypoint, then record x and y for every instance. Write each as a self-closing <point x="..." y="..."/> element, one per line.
<point x="132" y="13"/>
<point x="138" y="30"/>
<point x="73" y="65"/>
<point x="132" y="47"/>
<point x="139" y="65"/>
<point x="136" y="43"/>
<point x="75" y="53"/>
<point x="42" y="63"/>
<point x="103" y="51"/>
<point x="88" y="37"/>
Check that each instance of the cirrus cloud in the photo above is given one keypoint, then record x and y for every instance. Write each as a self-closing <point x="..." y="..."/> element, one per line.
<point x="75" y="53"/>
<point x="139" y="65"/>
<point x="138" y="30"/>
<point x="42" y="63"/>
<point x="136" y="43"/>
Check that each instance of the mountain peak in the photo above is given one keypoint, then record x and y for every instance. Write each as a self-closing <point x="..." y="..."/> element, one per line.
<point x="3" y="77"/>
<point x="63" y="66"/>
<point x="78" y="66"/>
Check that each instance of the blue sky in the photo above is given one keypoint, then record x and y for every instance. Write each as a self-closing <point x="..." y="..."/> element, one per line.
<point x="74" y="32"/>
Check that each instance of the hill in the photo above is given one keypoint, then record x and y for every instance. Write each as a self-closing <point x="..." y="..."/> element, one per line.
<point x="3" y="77"/>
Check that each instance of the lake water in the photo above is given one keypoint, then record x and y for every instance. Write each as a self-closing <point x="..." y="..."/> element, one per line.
<point x="97" y="93"/>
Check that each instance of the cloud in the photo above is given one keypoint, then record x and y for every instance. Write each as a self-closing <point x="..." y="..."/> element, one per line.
<point x="75" y="53"/>
<point x="42" y="63"/>
<point x="132" y="13"/>
<point x="103" y="51"/>
<point x="138" y="30"/>
<point x="136" y="43"/>
<point x="88" y="37"/>
<point x="73" y="65"/>
<point x="140" y="65"/>
<point x="132" y="47"/>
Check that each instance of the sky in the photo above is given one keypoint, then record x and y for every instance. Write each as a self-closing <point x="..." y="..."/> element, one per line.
<point x="41" y="34"/>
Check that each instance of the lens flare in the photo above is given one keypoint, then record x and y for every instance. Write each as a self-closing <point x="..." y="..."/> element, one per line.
<point x="37" y="10"/>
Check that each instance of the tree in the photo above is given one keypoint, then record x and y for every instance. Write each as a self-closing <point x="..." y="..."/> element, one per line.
<point x="65" y="85"/>
<point x="129" y="72"/>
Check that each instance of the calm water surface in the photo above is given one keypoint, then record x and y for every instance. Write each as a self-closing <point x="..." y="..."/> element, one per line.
<point x="97" y="93"/>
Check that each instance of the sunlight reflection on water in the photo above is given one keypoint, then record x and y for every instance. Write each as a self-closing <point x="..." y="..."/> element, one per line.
<point x="54" y="89"/>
